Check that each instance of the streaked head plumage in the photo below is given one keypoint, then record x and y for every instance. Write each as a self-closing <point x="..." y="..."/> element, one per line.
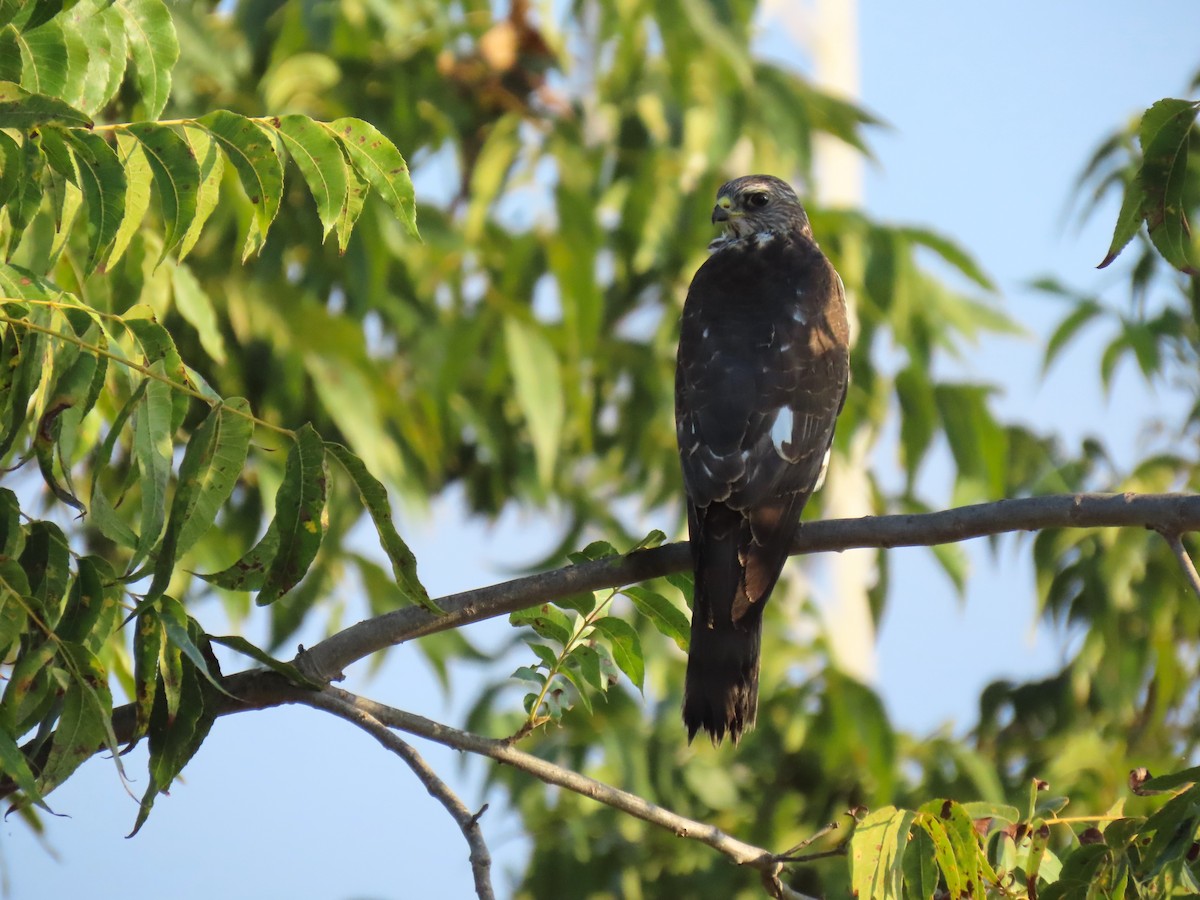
<point x="758" y="204"/>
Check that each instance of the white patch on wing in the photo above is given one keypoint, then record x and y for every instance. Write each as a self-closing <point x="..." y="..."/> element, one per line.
<point x="781" y="432"/>
<point x="821" y="475"/>
<point x="799" y="315"/>
<point x="763" y="237"/>
<point x="704" y="334"/>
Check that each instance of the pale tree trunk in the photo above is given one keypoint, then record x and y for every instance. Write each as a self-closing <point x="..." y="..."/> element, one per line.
<point x="827" y="33"/>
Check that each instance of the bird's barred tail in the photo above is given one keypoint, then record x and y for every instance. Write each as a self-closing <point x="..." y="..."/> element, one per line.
<point x="721" y="689"/>
<point x="721" y="692"/>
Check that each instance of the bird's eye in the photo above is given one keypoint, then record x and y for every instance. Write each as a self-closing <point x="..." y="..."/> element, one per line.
<point x="757" y="200"/>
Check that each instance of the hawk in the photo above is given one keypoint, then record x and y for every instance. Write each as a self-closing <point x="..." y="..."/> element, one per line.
<point x="760" y="378"/>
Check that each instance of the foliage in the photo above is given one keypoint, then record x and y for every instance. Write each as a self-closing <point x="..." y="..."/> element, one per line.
<point x="225" y="392"/>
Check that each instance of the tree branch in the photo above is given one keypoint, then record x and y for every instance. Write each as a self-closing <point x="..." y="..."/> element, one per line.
<point x="1175" y="540"/>
<point x="346" y="704"/>
<point x="257" y="689"/>
<point x="1170" y="513"/>
<point x="336" y="702"/>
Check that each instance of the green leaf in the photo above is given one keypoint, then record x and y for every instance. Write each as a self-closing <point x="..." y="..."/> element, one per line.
<point x="101" y="29"/>
<point x="174" y="740"/>
<point x="19" y="377"/>
<point x="157" y="344"/>
<point x="573" y="673"/>
<point x="211" y="166"/>
<point x="319" y="157"/>
<point x="378" y="161"/>
<point x="375" y="499"/>
<point x="209" y="471"/>
<point x="89" y="605"/>
<point x="38" y="14"/>
<point x="943" y="852"/>
<point x="977" y="442"/>
<point x="10" y="168"/>
<point x="178" y="626"/>
<point x="10" y="54"/>
<point x="83" y="725"/>
<point x="667" y="618"/>
<point x="920" y="865"/>
<point x="148" y="641"/>
<point x="918" y="421"/>
<point x="356" y="195"/>
<point x="137" y="194"/>
<point x="1164" y="134"/>
<point x="626" y="647"/>
<point x="249" y="573"/>
<point x="23" y="110"/>
<point x="28" y="685"/>
<point x="877" y="852"/>
<point x="197" y="308"/>
<point x="102" y="178"/>
<point x="253" y="155"/>
<point x="176" y="176"/>
<point x="1084" y="312"/>
<point x="27" y="196"/>
<point x="14" y="765"/>
<point x="218" y="465"/>
<point x="287" y="670"/>
<point x="154" y="49"/>
<point x="950" y="252"/>
<point x="153" y="446"/>
<point x="15" y="604"/>
<point x="44" y="60"/>
<point x="539" y="392"/>
<point x="546" y="621"/>
<point x="1129" y="220"/>
<point x="299" y="515"/>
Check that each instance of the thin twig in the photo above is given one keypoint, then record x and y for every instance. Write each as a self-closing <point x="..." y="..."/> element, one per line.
<point x="502" y="751"/>
<point x="1175" y="540"/>
<point x="468" y="822"/>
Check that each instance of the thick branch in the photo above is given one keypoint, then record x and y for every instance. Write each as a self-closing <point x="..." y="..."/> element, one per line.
<point x="1169" y="513"/>
<point x="256" y="689"/>
<point x="340" y="704"/>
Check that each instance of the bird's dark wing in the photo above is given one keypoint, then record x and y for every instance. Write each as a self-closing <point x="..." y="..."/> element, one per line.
<point x="761" y="376"/>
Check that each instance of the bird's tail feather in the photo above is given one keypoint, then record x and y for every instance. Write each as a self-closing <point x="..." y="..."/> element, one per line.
<point x="721" y="688"/>
<point x="721" y="691"/>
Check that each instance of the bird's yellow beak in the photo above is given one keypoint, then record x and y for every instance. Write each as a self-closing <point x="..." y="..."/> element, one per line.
<point x="721" y="211"/>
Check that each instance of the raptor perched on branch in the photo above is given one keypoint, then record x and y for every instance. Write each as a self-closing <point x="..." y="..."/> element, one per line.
<point x="760" y="379"/>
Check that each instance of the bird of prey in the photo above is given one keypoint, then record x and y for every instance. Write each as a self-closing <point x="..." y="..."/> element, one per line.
<point x="760" y="378"/>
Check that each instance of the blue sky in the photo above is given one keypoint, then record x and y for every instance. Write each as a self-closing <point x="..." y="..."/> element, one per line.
<point x="992" y="111"/>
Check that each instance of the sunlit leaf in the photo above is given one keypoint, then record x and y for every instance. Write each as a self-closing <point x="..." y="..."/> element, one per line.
<point x="154" y="48"/>
<point x="152" y="444"/>
<point x="23" y="110"/>
<point x="211" y="165"/>
<point x="626" y="647"/>
<point x="176" y="177"/>
<point x="1164" y="133"/>
<point x="319" y="157"/>
<point x="253" y="156"/>
<point x="667" y="618"/>
<point x="378" y="161"/>
<point x="375" y="499"/>
<point x="102" y="178"/>
<point x="538" y="382"/>
<point x="299" y="515"/>
<point x="137" y="194"/>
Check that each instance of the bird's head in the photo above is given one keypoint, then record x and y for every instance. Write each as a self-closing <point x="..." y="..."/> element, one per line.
<point x="756" y="204"/>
